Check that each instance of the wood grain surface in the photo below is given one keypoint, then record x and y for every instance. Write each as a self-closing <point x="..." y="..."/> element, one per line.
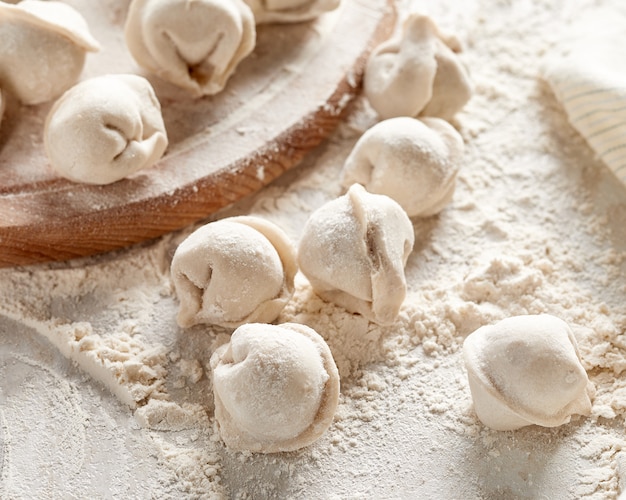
<point x="283" y="101"/>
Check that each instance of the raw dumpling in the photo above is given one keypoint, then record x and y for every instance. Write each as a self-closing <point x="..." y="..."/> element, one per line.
<point x="413" y="161"/>
<point x="417" y="73"/>
<point x="353" y="251"/>
<point x="289" y="11"/>
<point x="195" y="44"/>
<point x="276" y="387"/>
<point x="233" y="271"/>
<point x="43" y="49"/>
<point x="104" y="129"/>
<point x="526" y="370"/>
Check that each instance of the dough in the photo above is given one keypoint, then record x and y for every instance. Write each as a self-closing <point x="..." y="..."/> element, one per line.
<point x="195" y="44"/>
<point x="526" y="370"/>
<point x="416" y="73"/>
<point x="276" y="387"/>
<point x="44" y="45"/>
<point x="289" y="11"/>
<point x="353" y="251"/>
<point x="104" y="129"/>
<point x="413" y="161"/>
<point x="233" y="271"/>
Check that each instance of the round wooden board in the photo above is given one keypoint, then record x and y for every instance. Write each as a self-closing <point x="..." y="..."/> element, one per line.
<point x="283" y="101"/>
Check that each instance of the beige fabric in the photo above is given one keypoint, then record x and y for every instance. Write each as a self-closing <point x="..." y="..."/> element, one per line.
<point x="589" y="80"/>
<point x="104" y="129"/>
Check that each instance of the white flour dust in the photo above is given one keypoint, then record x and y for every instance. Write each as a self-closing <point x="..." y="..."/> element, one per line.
<point x="536" y="225"/>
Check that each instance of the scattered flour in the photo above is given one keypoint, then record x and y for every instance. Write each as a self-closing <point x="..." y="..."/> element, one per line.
<point x="536" y="226"/>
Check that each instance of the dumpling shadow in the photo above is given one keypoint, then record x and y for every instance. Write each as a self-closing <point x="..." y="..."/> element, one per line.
<point x="525" y="463"/>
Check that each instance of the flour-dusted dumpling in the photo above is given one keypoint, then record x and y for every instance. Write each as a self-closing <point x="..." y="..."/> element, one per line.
<point x="276" y="387"/>
<point x="42" y="49"/>
<point x="104" y="129"/>
<point x="233" y="271"/>
<point x="413" y="161"/>
<point x="417" y="72"/>
<point x="195" y="44"/>
<point x="353" y="251"/>
<point x="526" y="370"/>
<point x="289" y="11"/>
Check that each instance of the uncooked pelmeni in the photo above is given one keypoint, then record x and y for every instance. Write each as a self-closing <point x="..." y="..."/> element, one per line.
<point x="276" y="387"/>
<point x="233" y="271"/>
<point x="413" y="161"/>
<point x="104" y="129"/>
<point x="44" y="45"/>
<point x="289" y="11"/>
<point x="526" y="370"/>
<point x="353" y="251"/>
<point x="417" y="72"/>
<point x="195" y="44"/>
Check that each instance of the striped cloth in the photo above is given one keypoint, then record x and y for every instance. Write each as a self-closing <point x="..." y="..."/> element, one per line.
<point x="590" y="83"/>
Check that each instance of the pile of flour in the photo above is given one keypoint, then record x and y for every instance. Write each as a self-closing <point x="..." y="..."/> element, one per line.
<point x="537" y="224"/>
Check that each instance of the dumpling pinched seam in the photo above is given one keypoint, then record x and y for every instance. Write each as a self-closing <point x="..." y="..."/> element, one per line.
<point x="417" y="73"/>
<point x="195" y="45"/>
<point x="104" y="129"/>
<point x="353" y="251"/>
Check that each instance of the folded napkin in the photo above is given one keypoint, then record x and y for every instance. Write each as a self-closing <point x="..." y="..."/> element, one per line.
<point x="589" y="80"/>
